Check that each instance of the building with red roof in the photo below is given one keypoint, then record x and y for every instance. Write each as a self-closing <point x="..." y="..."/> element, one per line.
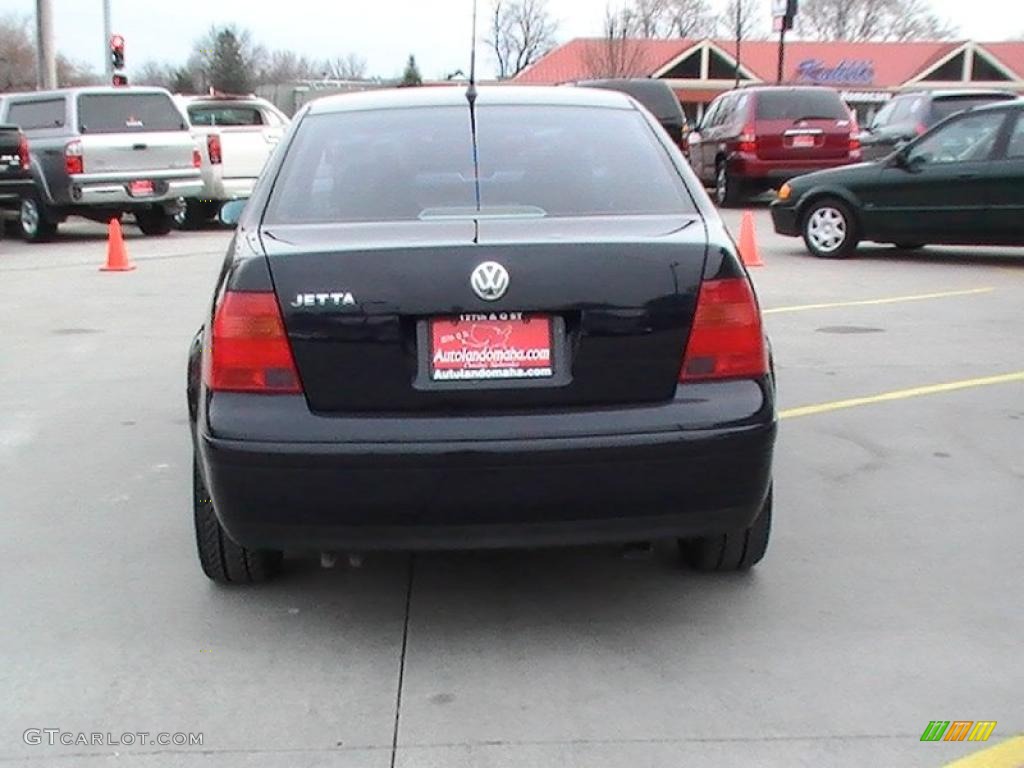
<point x="865" y="73"/>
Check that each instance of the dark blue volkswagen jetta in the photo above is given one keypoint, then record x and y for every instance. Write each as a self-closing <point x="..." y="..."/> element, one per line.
<point x="507" y="317"/>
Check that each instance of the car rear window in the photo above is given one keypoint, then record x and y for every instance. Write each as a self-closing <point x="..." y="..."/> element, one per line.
<point x="128" y="113"/>
<point x="796" y="105"/>
<point x="944" y="107"/>
<point x="34" y="115"/>
<point x="227" y="116"/>
<point x="405" y="164"/>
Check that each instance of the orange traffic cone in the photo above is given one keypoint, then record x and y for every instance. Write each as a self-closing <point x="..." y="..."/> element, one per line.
<point x="117" y="254"/>
<point x="748" y="242"/>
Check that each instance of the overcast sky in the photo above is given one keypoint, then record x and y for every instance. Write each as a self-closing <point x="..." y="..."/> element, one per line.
<point x="384" y="32"/>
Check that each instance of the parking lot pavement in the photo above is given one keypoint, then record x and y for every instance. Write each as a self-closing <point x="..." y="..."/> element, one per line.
<point x="889" y="596"/>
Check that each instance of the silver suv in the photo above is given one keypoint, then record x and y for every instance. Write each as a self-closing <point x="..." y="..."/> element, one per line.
<point x="102" y="152"/>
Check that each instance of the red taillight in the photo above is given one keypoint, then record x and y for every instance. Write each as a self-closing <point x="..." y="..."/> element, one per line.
<point x="726" y="341"/>
<point x="23" y="154"/>
<point x="73" y="160"/>
<point x="920" y="129"/>
<point x="748" y="140"/>
<point x="197" y="159"/>
<point x="248" y="350"/>
<point x="854" y="139"/>
<point x="213" y="149"/>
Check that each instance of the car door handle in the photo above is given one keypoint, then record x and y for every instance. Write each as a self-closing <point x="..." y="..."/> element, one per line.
<point x="139" y="147"/>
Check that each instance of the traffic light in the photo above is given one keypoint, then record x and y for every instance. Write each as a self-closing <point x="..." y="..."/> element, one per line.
<point x="117" y="51"/>
<point x="120" y="79"/>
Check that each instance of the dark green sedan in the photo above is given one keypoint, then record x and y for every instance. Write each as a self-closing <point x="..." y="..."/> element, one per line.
<point x="962" y="183"/>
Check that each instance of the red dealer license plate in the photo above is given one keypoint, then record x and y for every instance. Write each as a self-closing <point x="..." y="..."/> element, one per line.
<point x="141" y="188"/>
<point x="803" y="142"/>
<point x="487" y="346"/>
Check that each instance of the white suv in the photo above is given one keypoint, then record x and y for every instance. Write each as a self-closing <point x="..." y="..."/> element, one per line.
<point x="236" y="135"/>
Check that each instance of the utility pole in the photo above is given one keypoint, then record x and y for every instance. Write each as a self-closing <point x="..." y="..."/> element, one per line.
<point x="108" y="67"/>
<point x="739" y="37"/>
<point x="782" y="54"/>
<point x="46" y="54"/>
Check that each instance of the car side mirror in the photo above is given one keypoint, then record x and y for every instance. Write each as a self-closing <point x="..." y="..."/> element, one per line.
<point x="231" y="212"/>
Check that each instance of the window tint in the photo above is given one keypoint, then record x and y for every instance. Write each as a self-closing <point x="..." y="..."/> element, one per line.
<point x="29" y="115"/>
<point x="884" y="116"/>
<point x="969" y="139"/>
<point x="403" y="164"/>
<point x="943" y="108"/>
<point x="127" y="113"/>
<point x="788" y="104"/>
<point x="229" y="116"/>
<point x="1015" y="148"/>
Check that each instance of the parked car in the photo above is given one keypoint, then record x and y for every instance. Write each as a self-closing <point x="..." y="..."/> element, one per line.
<point x="103" y="151"/>
<point x="236" y="135"/>
<point x="413" y="345"/>
<point x="754" y="139"/>
<point x="658" y="98"/>
<point x="15" y="172"/>
<point x="908" y="116"/>
<point x="958" y="184"/>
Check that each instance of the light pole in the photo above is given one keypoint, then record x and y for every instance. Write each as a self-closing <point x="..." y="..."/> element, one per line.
<point x="46" y="72"/>
<point x="108" y="66"/>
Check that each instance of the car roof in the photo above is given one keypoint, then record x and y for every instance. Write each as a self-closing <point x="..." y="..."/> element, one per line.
<point x="85" y="90"/>
<point x="487" y="95"/>
<point x="656" y="95"/>
<point x="962" y="93"/>
<point x="776" y="88"/>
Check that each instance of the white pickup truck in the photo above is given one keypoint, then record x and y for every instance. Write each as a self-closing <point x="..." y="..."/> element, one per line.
<point x="236" y="135"/>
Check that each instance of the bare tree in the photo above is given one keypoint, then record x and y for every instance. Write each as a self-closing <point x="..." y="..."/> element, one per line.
<point x="618" y="53"/>
<point x="351" y="66"/>
<point x="690" y="19"/>
<point x="18" y="59"/>
<point x="287" y="66"/>
<point x="156" y="73"/>
<point x="860" y="20"/>
<point x="743" y="20"/>
<point x="521" y="32"/>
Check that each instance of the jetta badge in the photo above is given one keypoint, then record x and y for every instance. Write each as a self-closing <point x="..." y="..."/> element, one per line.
<point x="335" y="299"/>
<point x="489" y="281"/>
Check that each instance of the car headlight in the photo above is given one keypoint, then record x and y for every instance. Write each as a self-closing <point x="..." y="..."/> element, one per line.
<point x="785" y="191"/>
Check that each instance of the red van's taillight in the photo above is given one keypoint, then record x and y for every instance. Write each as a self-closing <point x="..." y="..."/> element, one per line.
<point x="23" y="154"/>
<point x="213" y="149"/>
<point x="748" y="140"/>
<point x="248" y="350"/>
<point x="73" y="160"/>
<point x="727" y="340"/>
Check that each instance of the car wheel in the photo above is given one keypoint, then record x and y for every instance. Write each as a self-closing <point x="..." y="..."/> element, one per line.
<point x="193" y="214"/>
<point x="224" y="561"/>
<point x="830" y="229"/>
<point x="736" y="551"/>
<point x="728" y="191"/>
<point x="154" y="222"/>
<point x="909" y="246"/>
<point x="37" y="226"/>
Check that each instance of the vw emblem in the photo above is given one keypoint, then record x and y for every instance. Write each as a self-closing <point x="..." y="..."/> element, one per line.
<point x="489" y="281"/>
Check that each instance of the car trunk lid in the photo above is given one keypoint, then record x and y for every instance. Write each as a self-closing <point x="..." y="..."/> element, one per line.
<point x="357" y="300"/>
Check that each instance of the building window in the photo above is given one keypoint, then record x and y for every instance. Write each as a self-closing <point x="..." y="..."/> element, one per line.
<point x="985" y="71"/>
<point x="721" y="69"/>
<point x="951" y="71"/>
<point x="687" y="69"/>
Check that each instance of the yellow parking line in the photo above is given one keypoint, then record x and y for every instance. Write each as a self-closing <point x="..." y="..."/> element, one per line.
<point x="1009" y="754"/>
<point x="900" y="394"/>
<point x="872" y="302"/>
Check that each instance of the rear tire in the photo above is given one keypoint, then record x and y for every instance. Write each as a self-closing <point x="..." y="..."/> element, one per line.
<point x="194" y="215"/>
<point x="153" y="222"/>
<point x="36" y="222"/>
<point x="224" y="561"/>
<point x="728" y="189"/>
<point x="736" y="551"/>
<point x="830" y="229"/>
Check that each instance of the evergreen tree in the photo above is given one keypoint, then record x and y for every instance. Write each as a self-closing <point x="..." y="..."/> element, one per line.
<point x="228" y="71"/>
<point x="411" y="76"/>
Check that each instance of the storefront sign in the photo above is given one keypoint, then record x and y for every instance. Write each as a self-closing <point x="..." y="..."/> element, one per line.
<point x="843" y="73"/>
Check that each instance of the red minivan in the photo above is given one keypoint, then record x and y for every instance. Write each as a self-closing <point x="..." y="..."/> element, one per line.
<point x="754" y="139"/>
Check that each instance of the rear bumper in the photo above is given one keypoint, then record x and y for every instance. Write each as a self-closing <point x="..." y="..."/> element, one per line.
<point x="227" y="189"/>
<point x="448" y="493"/>
<point x="115" y="193"/>
<point x="777" y="172"/>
